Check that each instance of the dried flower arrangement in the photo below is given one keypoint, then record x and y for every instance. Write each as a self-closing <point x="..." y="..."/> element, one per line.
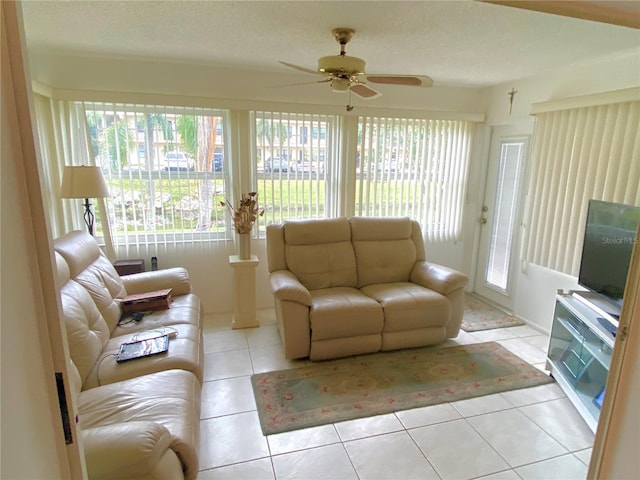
<point x="247" y="212"/>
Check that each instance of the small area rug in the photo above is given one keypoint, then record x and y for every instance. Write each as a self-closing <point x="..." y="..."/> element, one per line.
<point x="367" y="385"/>
<point x="479" y="315"/>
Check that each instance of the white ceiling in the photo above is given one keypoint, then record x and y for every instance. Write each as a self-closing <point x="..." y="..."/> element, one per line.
<point x="456" y="42"/>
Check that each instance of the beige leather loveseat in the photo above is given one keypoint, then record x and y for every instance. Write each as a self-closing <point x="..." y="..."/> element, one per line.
<point x="351" y="286"/>
<point x="138" y="419"/>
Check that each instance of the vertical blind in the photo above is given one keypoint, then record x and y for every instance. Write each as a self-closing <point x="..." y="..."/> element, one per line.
<point x="295" y="154"/>
<point x="578" y="154"/>
<point x="165" y="169"/>
<point x="416" y="168"/>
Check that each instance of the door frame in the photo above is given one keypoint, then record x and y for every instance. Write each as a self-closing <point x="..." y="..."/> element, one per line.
<point x="50" y="348"/>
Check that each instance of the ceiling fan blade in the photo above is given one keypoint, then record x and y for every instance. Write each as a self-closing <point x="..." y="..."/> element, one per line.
<point x="364" y="91"/>
<point x="301" y="69"/>
<point x="405" y="80"/>
<point x="326" y="80"/>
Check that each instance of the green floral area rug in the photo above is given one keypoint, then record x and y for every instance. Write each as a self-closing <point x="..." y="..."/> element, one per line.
<point x="479" y="315"/>
<point x="367" y="385"/>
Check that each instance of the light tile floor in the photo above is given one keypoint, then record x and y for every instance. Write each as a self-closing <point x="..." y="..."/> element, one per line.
<point x="532" y="433"/>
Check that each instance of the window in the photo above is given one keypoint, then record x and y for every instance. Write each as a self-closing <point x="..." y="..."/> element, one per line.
<point x="165" y="170"/>
<point x="415" y="168"/>
<point x="292" y="169"/>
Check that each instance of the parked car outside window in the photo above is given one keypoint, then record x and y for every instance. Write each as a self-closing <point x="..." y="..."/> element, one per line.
<point x="178" y="161"/>
<point x="305" y="166"/>
<point x="277" y="165"/>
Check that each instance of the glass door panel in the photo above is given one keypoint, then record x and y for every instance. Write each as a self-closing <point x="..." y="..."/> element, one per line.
<point x="504" y="215"/>
<point x="501" y="216"/>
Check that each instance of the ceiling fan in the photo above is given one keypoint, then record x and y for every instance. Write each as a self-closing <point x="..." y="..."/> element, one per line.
<point x="346" y="73"/>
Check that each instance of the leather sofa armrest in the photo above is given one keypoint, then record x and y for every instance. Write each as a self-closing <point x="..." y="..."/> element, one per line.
<point x="175" y="278"/>
<point x="436" y="277"/>
<point x="286" y="286"/>
<point x="127" y="450"/>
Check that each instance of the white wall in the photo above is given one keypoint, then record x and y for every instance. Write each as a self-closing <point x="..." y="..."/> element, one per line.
<point x="232" y="88"/>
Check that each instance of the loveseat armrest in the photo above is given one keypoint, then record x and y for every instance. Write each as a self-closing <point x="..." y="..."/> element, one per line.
<point x="286" y="286"/>
<point x="436" y="277"/>
<point x="130" y="450"/>
<point x="176" y="278"/>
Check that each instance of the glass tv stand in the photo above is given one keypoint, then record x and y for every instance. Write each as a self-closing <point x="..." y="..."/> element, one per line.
<point x="580" y="348"/>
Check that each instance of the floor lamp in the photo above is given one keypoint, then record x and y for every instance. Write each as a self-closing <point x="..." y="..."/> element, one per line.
<point x="84" y="182"/>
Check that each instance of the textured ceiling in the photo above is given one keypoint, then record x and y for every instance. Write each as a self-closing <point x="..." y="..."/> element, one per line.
<point x="457" y="43"/>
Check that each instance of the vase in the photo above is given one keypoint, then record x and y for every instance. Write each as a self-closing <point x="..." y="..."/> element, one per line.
<point x="244" y="246"/>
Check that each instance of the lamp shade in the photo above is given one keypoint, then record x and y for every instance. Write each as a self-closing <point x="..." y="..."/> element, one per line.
<point x="83" y="182"/>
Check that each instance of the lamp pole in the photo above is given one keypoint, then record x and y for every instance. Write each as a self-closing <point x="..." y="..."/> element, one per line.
<point x="89" y="217"/>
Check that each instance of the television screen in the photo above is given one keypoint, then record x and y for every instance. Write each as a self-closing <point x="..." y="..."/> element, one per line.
<point x="609" y="237"/>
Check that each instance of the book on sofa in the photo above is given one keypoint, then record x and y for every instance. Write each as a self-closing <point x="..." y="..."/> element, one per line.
<point x="142" y="302"/>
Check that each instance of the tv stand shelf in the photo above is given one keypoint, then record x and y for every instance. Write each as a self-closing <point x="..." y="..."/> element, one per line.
<point x="580" y="351"/>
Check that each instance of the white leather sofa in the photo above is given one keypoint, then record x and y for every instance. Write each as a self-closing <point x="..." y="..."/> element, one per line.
<point x="352" y="286"/>
<point x="138" y="419"/>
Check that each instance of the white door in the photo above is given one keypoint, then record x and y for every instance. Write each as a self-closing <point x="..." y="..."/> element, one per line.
<point x="501" y="215"/>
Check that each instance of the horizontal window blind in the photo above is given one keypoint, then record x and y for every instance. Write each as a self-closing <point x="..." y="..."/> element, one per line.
<point x="416" y="168"/>
<point x="578" y="154"/>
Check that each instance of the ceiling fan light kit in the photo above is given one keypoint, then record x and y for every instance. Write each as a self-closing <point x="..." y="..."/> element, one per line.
<point x="346" y="73"/>
<point x="340" y="84"/>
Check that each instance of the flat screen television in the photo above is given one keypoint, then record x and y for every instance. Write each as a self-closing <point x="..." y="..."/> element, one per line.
<point x="609" y="237"/>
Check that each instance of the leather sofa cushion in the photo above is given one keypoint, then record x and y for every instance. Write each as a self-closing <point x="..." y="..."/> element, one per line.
<point x="343" y="312"/>
<point x="314" y="232"/>
<point x="185" y="352"/>
<point x="79" y="250"/>
<point x="131" y="450"/>
<point x="62" y="274"/>
<point x="380" y="228"/>
<point x="408" y="306"/>
<point x="87" y="332"/>
<point x="176" y="278"/>
<point x="384" y="248"/>
<point x="323" y="266"/>
<point x="320" y="254"/>
<point x="104" y="284"/>
<point x="90" y="267"/>
<point x="170" y="398"/>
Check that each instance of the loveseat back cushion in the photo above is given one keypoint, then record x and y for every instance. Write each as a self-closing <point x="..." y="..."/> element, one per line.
<point x="87" y="331"/>
<point x="319" y="253"/>
<point x="90" y="267"/>
<point x="384" y="249"/>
